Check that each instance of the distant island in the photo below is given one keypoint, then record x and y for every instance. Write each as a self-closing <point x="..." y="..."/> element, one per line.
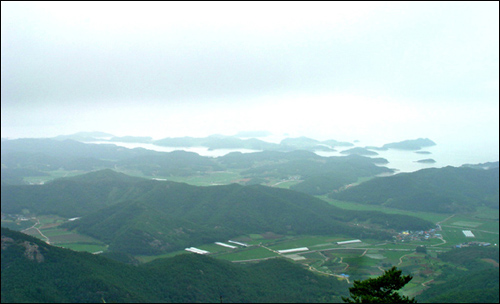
<point x="248" y="140"/>
<point x="411" y="144"/>
<point x="242" y="140"/>
<point x="359" y="151"/>
<point x="426" y="161"/>
<point x="85" y="136"/>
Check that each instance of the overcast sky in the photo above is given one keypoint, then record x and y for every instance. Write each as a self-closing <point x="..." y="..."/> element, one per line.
<point x="377" y="72"/>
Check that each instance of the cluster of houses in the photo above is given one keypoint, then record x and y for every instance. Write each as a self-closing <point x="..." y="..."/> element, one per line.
<point x="420" y="235"/>
<point x="16" y="217"/>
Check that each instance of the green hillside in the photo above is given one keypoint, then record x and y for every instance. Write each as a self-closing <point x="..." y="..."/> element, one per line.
<point x="320" y="175"/>
<point x="176" y="163"/>
<point x="70" y="197"/>
<point x="33" y="271"/>
<point x="172" y="216"/>
<point x="446" y="190"/>
<point x="146" y="217"/>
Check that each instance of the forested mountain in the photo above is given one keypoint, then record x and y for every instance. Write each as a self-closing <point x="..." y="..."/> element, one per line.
<point x="447" y="190"/>
<point x="33" y="271"/>
<point x="140" y="216"/>
<point x="72" y="196"/>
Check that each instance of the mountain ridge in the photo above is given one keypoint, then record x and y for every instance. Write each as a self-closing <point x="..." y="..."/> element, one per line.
<point x="63" y="275"/>
<point x="162" y="216"/>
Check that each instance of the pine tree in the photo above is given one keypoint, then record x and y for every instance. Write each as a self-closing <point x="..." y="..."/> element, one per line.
<point x="380" y="290"/>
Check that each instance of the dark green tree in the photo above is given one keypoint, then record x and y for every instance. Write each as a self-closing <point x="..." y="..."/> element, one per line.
<point x="380" y="290"/>
<point x="421" y="249"/>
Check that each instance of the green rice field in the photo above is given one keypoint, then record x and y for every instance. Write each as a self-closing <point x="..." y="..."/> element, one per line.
<point x="429" y="216"/>
<point x="251" y="253"/>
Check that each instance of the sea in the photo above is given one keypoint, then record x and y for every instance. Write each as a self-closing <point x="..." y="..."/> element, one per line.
<point x="398" y="160"/>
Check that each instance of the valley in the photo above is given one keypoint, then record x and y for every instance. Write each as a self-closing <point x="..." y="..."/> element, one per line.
<point x="144" y="207"/>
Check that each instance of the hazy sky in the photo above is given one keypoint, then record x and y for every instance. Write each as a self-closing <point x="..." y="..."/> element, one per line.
<point x="377" y="72"/>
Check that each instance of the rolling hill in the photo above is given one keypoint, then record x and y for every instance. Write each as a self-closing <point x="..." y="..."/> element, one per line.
<point x="140" y="216"/>
<point x="446" y="190"/>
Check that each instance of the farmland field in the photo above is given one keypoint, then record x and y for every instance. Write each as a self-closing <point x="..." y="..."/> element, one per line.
<point x="306" y="241"/>
<point x="49" y="227"/>
<point x="52" y="175"/>
<point x="484" y="229"/>
<point x="429" y="216"/>
<point x="84" y="247"/>
<point x="209" y="179"/>
<point x="214" y="248"/>
<point x="251" y="253"/>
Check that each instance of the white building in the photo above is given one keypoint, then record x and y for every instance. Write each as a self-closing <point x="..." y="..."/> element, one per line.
<point x="293" y="250"/>
<point x="468" y="233"/>
<point x="225" y="245"/>
<point x="196" y="250"/>
<point x="349" y="242"/>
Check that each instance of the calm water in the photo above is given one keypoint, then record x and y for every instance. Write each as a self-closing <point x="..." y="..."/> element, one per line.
<point x="406" y="161"/>
<point x="400" y="160"/>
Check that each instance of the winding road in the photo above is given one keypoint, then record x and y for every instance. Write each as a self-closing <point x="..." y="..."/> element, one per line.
<point x="34" y="227"/>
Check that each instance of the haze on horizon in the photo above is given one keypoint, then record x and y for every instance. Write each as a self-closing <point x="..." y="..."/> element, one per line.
<point x="373" y="71"/>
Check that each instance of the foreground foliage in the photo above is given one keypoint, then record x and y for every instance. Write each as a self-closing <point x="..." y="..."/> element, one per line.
<point x="380" y="290"/>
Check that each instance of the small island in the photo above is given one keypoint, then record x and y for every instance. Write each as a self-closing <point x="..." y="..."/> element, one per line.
<point x="413" y="144"/>
<point x="426" y="161"/>
<point x="423" y="152"/>
<point x="359" y="151"/>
